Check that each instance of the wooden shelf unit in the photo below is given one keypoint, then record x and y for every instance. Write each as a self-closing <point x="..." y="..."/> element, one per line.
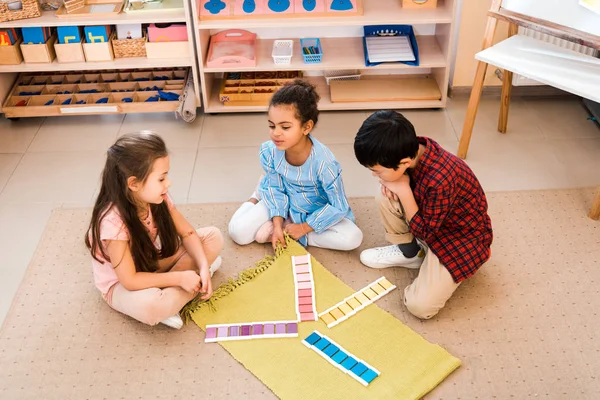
<point x="8" y="73"/>
<point x="339" y="53"/>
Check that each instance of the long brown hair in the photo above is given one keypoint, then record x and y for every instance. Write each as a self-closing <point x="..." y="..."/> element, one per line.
<point x="133" y="155"/>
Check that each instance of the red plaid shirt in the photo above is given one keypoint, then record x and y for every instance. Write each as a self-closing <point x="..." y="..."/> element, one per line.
<point x="452" y="217"/>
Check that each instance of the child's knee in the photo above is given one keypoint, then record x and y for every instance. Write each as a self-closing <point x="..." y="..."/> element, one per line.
<point x="240" y="233"/>
<point x="152" y="309"/>
<point x="353" y="239"/>
<point x="214" y="238"/>
<point x="422" y="308"/>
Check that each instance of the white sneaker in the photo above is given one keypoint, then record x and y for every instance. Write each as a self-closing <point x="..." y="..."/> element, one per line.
<point x="390" y="256"/>
<point x="215" y="265"/>
<point x="174" y="322"/>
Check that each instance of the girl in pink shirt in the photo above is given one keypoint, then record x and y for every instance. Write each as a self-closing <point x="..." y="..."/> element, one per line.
<point x="148" y="261"/>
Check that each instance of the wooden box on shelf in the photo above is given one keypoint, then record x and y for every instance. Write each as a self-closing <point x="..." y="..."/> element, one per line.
<point x="419" y="3"/>
<point x="100" y="51"/>
<point x="11" y="55"/>
<point x="69" y="52"/>
<point x="254" y="88"/>
<point x="167" y="49"/>
<point x="39" y="53"/>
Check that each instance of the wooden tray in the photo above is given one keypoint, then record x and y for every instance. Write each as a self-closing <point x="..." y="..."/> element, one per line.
<point x="401" y="89"/>
<point x="91" y="9"/>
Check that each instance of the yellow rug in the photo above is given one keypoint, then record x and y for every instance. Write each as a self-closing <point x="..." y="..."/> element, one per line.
<point x="409" y="365"/>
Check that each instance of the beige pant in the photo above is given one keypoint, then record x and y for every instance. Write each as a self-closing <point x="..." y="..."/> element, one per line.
<point x="428" y="294"/>
<point x="153" y="305"/>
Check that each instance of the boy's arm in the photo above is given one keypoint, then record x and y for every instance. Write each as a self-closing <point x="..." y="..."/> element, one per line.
<point x="424" y="222"/>
<point x="271" y="188"/>
<point x="337" y="208"/>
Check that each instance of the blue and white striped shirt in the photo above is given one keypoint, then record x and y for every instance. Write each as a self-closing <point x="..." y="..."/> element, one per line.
<point x="311" y="193"/>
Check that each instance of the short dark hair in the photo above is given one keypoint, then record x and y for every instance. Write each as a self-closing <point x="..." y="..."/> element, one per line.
<point x="385" y="138"/>
<point x="303" y="96"/>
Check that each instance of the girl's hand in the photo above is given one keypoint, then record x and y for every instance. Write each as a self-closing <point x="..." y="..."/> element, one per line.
<point x="189" y="281"/>
<point x="296" y="231"/>
<point x="277" y="237"/>
<point x="206" y="282"/>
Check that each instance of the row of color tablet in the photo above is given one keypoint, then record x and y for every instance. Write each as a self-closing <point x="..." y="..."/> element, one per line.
<point x="359" y="300"/>
<point x="341" y="358"/>
<point x="305" y="288"/>
<point x="251" y="330"/>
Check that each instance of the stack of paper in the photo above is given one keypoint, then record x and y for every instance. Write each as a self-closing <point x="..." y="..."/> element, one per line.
<point x="389" y="49"/>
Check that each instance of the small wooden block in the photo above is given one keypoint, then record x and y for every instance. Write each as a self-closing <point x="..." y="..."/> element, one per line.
<point x="327" y="318"/>
<point x="369" y="293"/>
<point x="362" y="298"/>
<point x="301" y="259"/>
<point x="377" y="288"/>
<point x="337" y="314"/>
<point x="385" y="283"/>
<point x="307" y="316"/>
<point x="346" y="309"/>
<point x="353" y="303"/>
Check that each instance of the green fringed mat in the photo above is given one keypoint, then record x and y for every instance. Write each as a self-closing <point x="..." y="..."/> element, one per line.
<point x="409" y="365"/>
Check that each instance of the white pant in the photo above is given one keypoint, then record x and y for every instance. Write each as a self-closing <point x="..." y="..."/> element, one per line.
<point x="248" y="219"/>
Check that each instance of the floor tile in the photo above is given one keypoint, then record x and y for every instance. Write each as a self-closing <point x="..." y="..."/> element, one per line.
<point x="224" y="174"/>
<point x="182" y="169"/>
<point x="235" y="130"/>
<point x="563" y="118"/>
<point x="178" y="135"/>
<point x="8" y="164"/>
<point x="580" y="159"/>
<point x="339" y="127"/>
<point x="54" y="177"/>
<point x="358" y="180"/>
<point x="16" y="136"/>
<point x="435" y="124"/>
<point x="21" y="227"/>
<point x="77" y="133"/>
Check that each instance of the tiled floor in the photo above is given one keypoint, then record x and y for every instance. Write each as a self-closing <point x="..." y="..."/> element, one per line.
<point x="54" y="162"/>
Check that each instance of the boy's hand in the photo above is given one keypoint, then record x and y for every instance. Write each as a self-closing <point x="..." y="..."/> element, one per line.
<point x="398" y="187"/>
<point x="296" y="231"/>
<point x="388" y="193"/>
<point x="206" y="282"/>
<point x="277" y="237"/>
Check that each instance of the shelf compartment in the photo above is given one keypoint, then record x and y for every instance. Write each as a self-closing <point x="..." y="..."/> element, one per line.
<point x="340" y="53"/>
<point x="214" y="104"/>
<point x="375" y="12"/>
<point x="49" y="18"/>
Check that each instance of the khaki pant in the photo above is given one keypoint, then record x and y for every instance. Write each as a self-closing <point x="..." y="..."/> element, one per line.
<point x="153" y="305"/>
<point x="428" y="293"/>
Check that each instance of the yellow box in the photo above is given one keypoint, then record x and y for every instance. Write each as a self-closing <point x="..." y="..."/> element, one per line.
<point x="69" y="52"/>
<point x="346" y="309"/>
<point x="353" y="303"/>
<point x="419" y="4"/>
<point x="362" y="298"/>
<point x="327" y="318"/>
<point x="39" y="53"/>
<point x="337" y="314"/>
<point x="369" y="293"/>
<point x="377" y="288"/>
<point x="385" y="283"/>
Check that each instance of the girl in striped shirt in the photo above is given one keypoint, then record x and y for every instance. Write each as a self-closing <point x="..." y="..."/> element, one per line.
<point x="301" y="192"/>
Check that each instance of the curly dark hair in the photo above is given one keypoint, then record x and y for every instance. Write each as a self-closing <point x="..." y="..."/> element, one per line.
<point x="303" y="96"/>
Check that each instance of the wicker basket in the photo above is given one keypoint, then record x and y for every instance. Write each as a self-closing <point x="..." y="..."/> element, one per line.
<point x="125" y="48"/>
<point x="31" y="9"/>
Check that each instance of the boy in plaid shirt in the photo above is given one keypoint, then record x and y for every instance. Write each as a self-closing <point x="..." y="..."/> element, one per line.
<point x="433" y="209"/>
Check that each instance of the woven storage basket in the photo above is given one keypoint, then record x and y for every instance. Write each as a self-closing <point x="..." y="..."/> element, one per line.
<point x="125" y="48"/>
<point x="31" y="9"/>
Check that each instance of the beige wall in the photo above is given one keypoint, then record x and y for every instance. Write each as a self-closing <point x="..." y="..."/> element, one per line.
<point x="470" y="38"/>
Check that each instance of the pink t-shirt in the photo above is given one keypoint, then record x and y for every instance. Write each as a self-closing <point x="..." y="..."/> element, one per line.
<point x="112" y="227"/>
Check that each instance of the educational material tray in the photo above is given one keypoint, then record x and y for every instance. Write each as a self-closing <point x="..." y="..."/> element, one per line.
<point x="391" y="30"/>
<point x="232" y="48"/>
<point x="95" y="92"/>
<point x="253" y="88"/>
